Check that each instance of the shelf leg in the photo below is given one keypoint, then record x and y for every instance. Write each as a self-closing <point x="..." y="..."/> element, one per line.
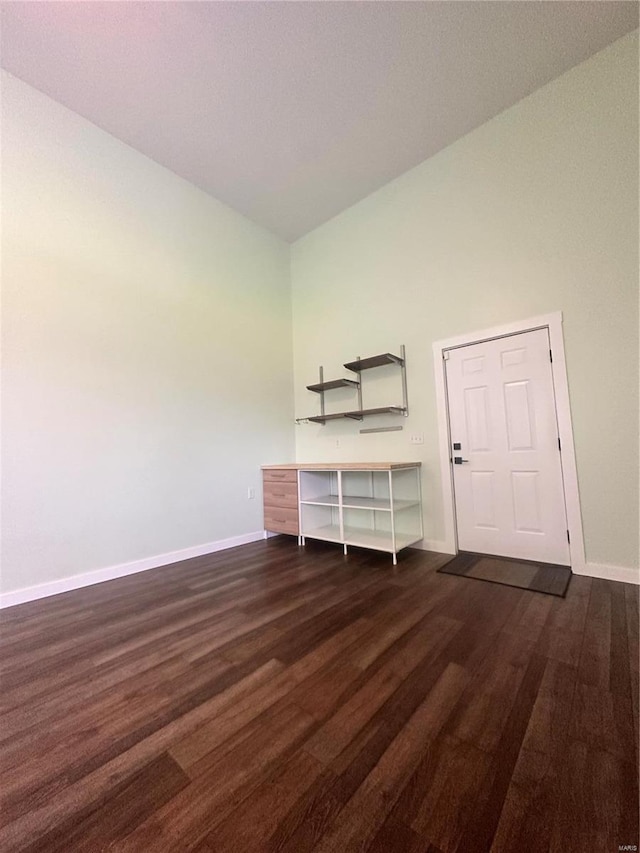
<point x="302" y="542"/>
<point x="393" y="518"/>
<point x="395" y="559"/>
<point x="345" y="550"/>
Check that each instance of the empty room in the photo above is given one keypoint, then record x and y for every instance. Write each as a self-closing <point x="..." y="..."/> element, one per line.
<point x="320" y="418"/>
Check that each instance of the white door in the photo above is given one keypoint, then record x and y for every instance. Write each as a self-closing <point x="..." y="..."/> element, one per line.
<point x="507" y="475"/>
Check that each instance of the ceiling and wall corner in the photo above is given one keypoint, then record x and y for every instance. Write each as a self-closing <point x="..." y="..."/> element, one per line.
<point x="292" y="112"/>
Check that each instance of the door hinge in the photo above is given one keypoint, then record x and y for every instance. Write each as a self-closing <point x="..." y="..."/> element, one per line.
<point x="550" y="356"/>
<point x="568" y="538"/>
<point x="559" y="445"/>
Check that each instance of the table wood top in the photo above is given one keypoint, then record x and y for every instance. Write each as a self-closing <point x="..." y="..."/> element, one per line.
<point x="341" y="466"/>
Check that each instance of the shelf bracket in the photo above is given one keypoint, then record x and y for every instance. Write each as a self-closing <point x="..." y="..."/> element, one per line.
<point x="403" y="368"/>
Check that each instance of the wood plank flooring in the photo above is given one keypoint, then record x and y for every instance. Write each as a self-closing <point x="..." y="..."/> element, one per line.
<point x="273" y="698"/>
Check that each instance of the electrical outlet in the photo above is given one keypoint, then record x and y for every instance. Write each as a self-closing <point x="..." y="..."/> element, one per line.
<point x="416" y="438"/>
<point x="251" y="493"/>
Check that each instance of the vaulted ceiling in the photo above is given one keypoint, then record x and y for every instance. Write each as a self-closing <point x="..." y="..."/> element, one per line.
<point x="290" y="112"/>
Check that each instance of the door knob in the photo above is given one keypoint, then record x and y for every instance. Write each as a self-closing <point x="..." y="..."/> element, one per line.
<point x="458" y="460"/>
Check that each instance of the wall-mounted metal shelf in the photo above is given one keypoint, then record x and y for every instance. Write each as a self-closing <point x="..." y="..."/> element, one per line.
<point x="374" y="361"/>
<point x="356" y="415"/>
<point x="322" y="419"/>
<point x="384" y="410"/>
<point x="358" y="366"/>
<point x="320" y="387"/>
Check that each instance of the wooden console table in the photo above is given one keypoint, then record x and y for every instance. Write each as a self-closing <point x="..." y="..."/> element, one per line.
<point x="374" y="505"/>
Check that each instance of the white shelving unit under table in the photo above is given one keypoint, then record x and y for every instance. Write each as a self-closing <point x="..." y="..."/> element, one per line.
<point x="375" y="505"/>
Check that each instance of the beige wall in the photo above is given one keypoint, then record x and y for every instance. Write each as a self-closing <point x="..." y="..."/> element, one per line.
<point x="534" y="212"/>
<point x="147" y="352"/>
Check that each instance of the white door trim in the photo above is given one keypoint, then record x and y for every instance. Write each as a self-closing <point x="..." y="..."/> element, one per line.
<point x="552" y="322"/>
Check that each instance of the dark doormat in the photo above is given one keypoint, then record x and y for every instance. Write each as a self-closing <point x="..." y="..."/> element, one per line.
<point x="539" y="577"/>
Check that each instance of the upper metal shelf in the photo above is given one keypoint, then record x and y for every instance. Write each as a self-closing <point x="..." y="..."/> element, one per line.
<point x="374" y="361"/>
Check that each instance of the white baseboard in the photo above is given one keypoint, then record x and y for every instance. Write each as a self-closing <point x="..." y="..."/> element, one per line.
<point x="623" y="574"/>
<point x="43" y="590"/>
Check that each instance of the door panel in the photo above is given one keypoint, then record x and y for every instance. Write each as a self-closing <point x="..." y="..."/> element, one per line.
<point x="482" y="499"/>
<point x="509" y="493"/>
<point x="520" y="422"/>
<point x="477" y="413"/>
<point x="526" y="501"/>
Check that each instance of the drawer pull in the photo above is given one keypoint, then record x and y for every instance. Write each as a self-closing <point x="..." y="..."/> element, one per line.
<point x="280" y="520"/>
<point x="278" y="494"/>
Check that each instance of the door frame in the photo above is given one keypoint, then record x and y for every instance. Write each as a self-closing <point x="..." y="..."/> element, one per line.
<point x="553" y="323"/>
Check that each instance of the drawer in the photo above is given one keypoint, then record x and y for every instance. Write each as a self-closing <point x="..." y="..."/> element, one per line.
<point x="279" y="475"/>
<point x="280" y="494"/>
<point x="281" y="520"/>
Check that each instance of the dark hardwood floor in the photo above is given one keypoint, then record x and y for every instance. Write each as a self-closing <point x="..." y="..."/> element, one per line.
<point x="270" y="698"/>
